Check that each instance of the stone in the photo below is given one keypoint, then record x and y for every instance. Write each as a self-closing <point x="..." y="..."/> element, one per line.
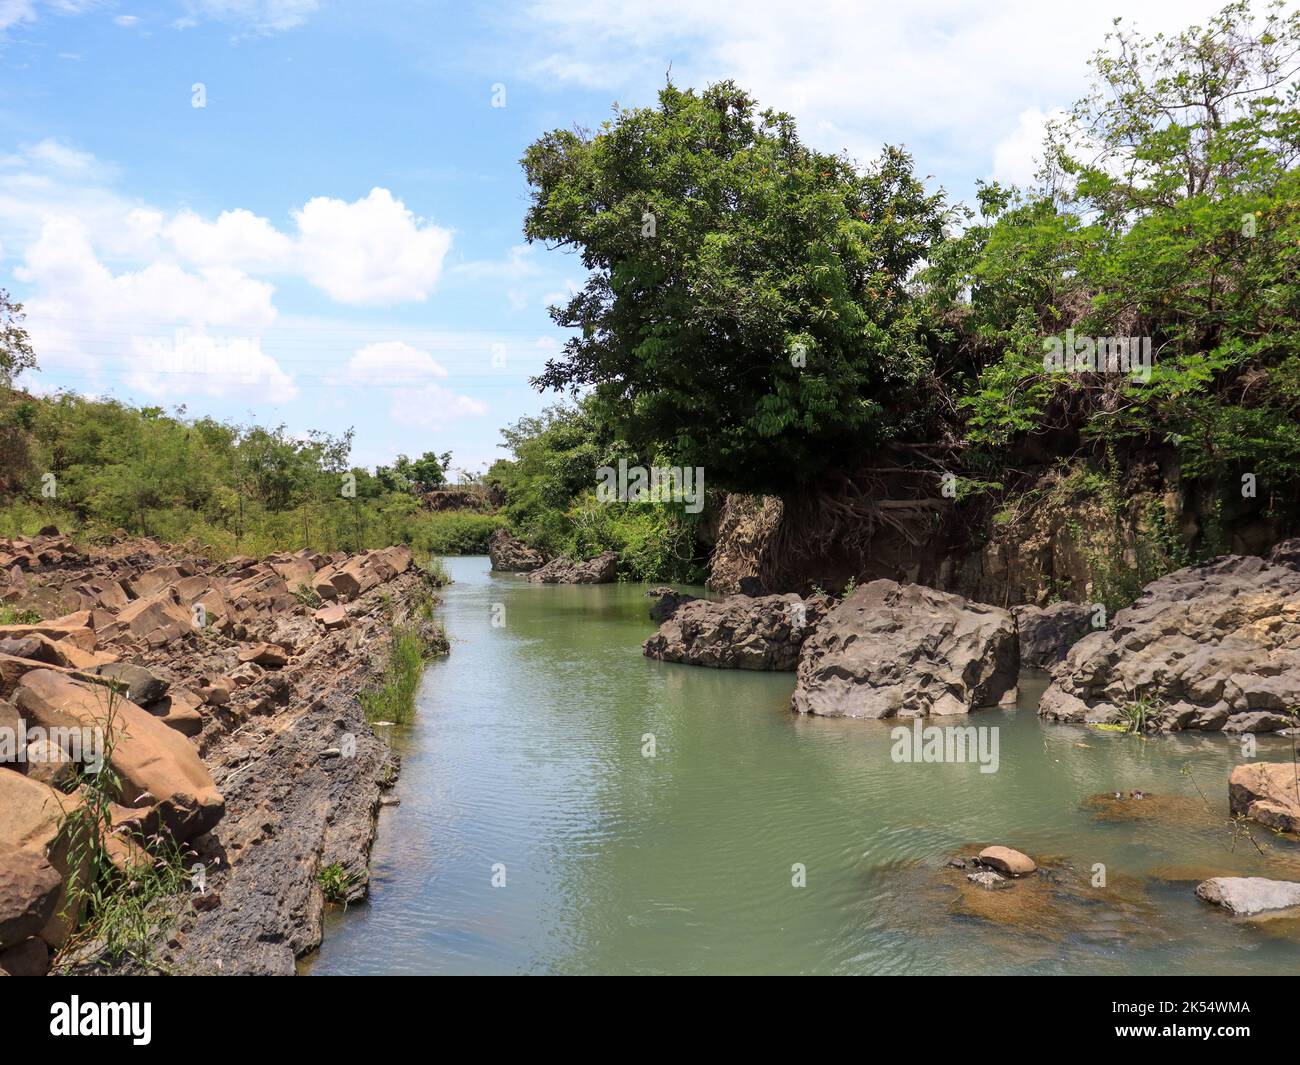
<point x="1267" y="792"/>
<point x="141" y="686"/>
<point x="29" y="892"/>
<point x="1007" y="861"/>
<point x="157" y="620"/>
<point x="1219" y="641"/>
<point x="30" y="958"/>
<point x="987" y="878"/>
<point x="738" y="632"/>
<point x="156" y="765"/>
<point x="332" y="617"/>
<point x="603" y="569"/>
<point x="179" y="710"/>
<point x="49" y="763"/>
<point x="894" y="649"/>
<point x="667" y="600"/>
<point x="1244" y="896"/>
<point x="34" y="815"/>
<point x="1047" y="633"/>
<point x="265" y="654"/>
<point x="509" y="554"/>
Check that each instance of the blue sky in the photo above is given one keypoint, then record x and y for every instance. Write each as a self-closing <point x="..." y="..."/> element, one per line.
<point x="334" y="238"/>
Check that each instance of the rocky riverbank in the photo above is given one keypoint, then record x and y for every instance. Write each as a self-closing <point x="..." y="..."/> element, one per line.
<point x="236" y="727"/>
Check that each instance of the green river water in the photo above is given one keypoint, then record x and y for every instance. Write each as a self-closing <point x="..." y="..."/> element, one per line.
<point x="527" y="754"/>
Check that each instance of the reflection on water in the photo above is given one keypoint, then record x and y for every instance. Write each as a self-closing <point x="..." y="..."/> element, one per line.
<point x="527" y="756"/>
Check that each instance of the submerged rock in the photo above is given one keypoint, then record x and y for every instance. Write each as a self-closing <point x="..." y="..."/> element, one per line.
<point x="1247" y="895"/>
<point x="738" y="632"/>
<point x="510" y="554"/>
<point x="603" y="569"/>
<point x="891" y="649"/>
<point x="1047" y="633"/>
<point x="1213" y="646"/>
<point x="1267" y="792"/>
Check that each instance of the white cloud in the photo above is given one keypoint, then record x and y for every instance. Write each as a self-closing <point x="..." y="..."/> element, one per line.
<point x="371" y="251"/>
<point x="256" y="16"/>
<point x="948" y="78"/>
<point x="125" y="20"/>
<point x="105" y="329"/>
<point x="1018" y="156"/>
<point x="432" y="406"/>
<point x="237" y="237"/>
<point x="391" y="361"/>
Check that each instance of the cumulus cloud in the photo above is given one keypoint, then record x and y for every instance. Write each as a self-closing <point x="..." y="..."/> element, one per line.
<point x="392" y="361"/>
<point x="371" y="251"/>
<point x="104" y="329"/>
<point x="432" y="406"/>
<point x="412" y="375"/>
<point x="949" y="79"/>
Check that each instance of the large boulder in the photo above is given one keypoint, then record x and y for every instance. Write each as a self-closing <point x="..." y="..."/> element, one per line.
<point x="737" y="633"/>
<point x="1247" y="895"/>
<point x="156" y="619"/>
<point x="29" y="892"/>
<point x="158" y="767"/>
<point x="509" y="554"/>
<point x="33" y="819"/>
<point x="603" y="569"/>
<point x="1048" y="633"/>
<point x="894" y="649"/>
<point x="1267" y="792"/>
<point x="1213" y="646"/>
<point x="666" y="602"/>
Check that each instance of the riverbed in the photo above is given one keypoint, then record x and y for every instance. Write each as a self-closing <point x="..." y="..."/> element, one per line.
<point x="569" y="806"/>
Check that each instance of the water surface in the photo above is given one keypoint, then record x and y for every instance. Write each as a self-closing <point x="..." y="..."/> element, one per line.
<point x="527" y="754"/>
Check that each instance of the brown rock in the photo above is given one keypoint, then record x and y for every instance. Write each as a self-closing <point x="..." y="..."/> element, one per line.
<point x="1007" y="861"/>
<point x="1267" y="792"/>
<point x="156" y="764"/>
<point x="332" y="617"/>
<point x="30" y="958"/>
<point x="158" y="619"/>
<point x="29" y="893"/>
<point x="265" y="654"/>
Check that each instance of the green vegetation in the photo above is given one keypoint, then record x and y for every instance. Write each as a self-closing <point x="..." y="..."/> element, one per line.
<point x="121" y="899"/>
<point x="336" y="882"/>
<point x="549" y="487"/>
<point x="795" y="324"/>
<point x="393" y="698"/>
<point x="95" y="466"/>
<point x="12" y="616"/>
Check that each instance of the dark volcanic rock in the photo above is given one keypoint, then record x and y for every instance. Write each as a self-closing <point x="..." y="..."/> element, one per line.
<point x="891" y="649"/>
<point x="1048" y="633"/>
<point x="1213" y="646"/>
<point x="739" y="632"/>
<point x="509" y="554"/>
<point x="603" y="569"/>
<point x="667" y="602"/>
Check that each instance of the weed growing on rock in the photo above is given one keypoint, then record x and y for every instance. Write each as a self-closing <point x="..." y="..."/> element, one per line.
<point x="337" y="883"/>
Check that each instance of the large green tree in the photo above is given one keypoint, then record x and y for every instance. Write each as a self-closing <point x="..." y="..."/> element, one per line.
<point x="747" y="308"/>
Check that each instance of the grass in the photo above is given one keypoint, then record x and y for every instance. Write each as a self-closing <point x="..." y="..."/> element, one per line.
<point x="393" y="700"/>
<point x="120" y="910"/>
<point x="12" y="616"/>
<point x="336" y="882"/>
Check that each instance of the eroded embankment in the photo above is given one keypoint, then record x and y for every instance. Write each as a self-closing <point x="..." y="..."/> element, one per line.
<point x="258" y="664"/>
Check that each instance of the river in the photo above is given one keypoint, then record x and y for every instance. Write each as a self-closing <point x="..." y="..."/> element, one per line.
<point x="536" y="835"/>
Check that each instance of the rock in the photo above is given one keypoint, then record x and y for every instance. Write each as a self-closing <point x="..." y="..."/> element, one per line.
<point x="891" y="649"/>
<point x="332" y="617"/>
<point x="1007" y="861"/>
<point x="737" y="633"/>
<point x="1047" y="633"/>
<point x="34" y="815"/>
<point x="30" y="958"/>
<point x="1247" y="895"/>
<point x="156" y="620"/>
<point x="29" y="892"/>
<point x="151" y="582"/>
<point x="603" y="569"/>
<point x="1267" y="792"/>
<point x="179" y="710"/>
<point x="667" y="602"/>
<point x="509" y="554"/>
<point x="265" y="654"/>
<point x="140" y="685"/>
<point x="156" y="765"/>
<point x="1220" y="641"/>
<point x="986" y="878"/>
<point x="49" y="763"/>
